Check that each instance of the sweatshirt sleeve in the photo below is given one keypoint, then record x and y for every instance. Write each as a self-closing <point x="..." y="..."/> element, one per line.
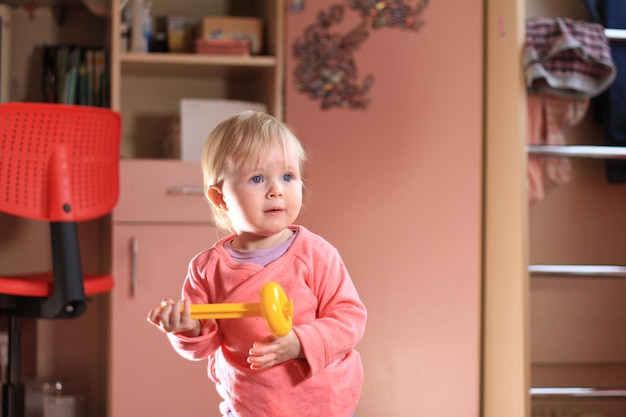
<point x="195" y="289"/>
<point x="341" y="317"/>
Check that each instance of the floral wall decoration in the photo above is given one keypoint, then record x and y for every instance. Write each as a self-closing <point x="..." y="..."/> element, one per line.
<point x="326" y="68"/>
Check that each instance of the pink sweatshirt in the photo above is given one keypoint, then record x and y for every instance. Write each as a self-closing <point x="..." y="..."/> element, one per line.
<point x="329" y="319"/>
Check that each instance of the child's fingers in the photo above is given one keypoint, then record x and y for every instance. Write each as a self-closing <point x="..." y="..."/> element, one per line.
<point x="187" y="308"/>
<point x="153" y="316"/>
<point x="172" y="316"/>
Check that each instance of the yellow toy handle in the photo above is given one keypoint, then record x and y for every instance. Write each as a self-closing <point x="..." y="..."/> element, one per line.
<point x="275" y="308"/>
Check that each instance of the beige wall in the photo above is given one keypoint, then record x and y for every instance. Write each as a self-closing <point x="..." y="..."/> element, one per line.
<point x="397" y="188"/>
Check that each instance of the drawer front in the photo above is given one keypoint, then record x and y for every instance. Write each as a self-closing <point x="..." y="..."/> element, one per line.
<point x="161" y="191"/>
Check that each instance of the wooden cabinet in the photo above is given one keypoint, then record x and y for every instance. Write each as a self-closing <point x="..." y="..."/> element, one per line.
<point x="147" y="87"/>
<point x="505" y="367"/>
<point x="162" y="220"/>
<point x="576" y="234"/>
<point x="157" y="228"/>
<point x="544" y="332"/>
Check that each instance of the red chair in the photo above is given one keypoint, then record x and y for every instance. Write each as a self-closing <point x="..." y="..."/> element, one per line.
<point x="59" y="164"/>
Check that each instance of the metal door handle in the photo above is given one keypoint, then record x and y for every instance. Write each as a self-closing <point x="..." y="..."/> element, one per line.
<point x="186" y="190"/>
<point x="134" y="260"/>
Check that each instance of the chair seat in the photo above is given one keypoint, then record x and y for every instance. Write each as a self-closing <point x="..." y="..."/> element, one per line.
<point x="40" y="284"/>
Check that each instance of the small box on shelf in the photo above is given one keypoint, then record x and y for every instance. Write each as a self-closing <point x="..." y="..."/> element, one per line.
<point x="223" y="47"/>
<point x="179" y="33"/>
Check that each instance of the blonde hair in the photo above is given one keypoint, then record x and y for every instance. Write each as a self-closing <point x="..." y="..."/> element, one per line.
<point x="240" y="140"/>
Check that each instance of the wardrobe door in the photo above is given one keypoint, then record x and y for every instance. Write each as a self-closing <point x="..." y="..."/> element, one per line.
<point x="147" y="376"/>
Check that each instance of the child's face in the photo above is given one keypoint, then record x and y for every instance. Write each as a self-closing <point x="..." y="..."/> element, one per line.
<point x="265" y="197"/>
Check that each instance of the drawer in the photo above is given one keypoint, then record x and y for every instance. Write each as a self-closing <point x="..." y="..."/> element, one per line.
<point x="153" y="190"/>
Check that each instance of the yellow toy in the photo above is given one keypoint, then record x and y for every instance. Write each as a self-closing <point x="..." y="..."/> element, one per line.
<point x="274" y="307"/>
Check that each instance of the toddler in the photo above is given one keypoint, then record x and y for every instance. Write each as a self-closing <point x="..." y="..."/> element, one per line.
<point x="252" y="166"/>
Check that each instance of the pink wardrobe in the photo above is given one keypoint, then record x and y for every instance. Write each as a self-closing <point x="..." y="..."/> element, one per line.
<point x="394" y="181"/>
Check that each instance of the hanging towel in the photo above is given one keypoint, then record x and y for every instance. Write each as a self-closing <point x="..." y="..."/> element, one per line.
<point x="548" y="116"/>
<point x="535" y="137"/>
<point x="560" y="113"/>
<point x="567" y="58"/>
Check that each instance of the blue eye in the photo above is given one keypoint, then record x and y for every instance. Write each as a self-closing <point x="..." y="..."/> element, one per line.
<point x="287" y="177"/>
<point x="257" y="179"/>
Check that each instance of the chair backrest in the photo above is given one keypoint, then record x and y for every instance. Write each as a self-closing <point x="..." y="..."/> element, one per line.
<point x="58" y="162"/>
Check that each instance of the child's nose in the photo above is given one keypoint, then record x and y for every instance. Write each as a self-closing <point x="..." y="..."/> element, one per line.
<point x="275" y="189"/>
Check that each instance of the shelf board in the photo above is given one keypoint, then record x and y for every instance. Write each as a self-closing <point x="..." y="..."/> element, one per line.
<point x="197" y="59"/>
<point x="155" y="64"/>
<point x="42" y="3"/>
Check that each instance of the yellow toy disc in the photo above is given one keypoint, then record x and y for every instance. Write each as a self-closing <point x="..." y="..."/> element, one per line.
<point x="276" y="308"/>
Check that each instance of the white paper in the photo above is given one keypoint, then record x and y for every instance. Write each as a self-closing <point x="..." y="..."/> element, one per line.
<point x="200" y="116"/>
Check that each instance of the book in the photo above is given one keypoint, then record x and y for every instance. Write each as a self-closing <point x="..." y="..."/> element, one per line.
<point x="75" y="75"/>
<point x="5" y="52"/>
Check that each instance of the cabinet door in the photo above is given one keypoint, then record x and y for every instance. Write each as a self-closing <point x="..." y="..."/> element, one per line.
<point x="147" y="377"/>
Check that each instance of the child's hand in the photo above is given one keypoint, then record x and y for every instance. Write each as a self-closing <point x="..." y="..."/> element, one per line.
<point x="273" y="350"/>
<point x="169" y="317"/>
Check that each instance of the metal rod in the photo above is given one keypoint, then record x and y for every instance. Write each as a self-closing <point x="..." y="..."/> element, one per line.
<point x="615" y="34"/>
<point x="13" y="393"/>
<point x="616" y="271"/>
<point x="578" y="392"/>
<point x="578" y="151"/>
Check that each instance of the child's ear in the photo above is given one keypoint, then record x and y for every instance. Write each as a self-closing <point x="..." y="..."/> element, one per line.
<point x="215" y="196"/>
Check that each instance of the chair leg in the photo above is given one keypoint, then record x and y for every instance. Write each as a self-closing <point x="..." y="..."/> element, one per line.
<point x="13" y="394"/>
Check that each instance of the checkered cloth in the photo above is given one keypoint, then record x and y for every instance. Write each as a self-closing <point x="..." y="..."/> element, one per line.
<point x="567" y="58"/>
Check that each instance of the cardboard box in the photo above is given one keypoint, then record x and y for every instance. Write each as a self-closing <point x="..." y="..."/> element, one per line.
<point x="198" y="117"/>
<point x="223" y="27"/>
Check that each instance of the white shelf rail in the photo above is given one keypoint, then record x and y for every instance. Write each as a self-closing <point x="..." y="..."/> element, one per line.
<point x="615" y="34"/>
<point x="582" y="392"/>
<point x="610" y="271"/>
<point x="578" y="151"/>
